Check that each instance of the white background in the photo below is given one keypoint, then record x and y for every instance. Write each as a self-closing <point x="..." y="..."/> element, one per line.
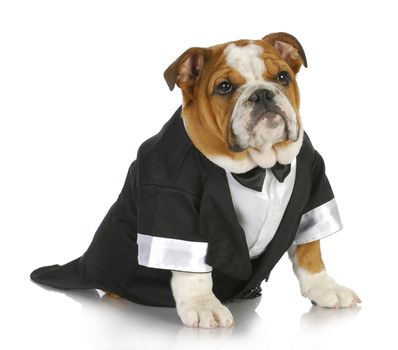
<point x="81" y="88"/>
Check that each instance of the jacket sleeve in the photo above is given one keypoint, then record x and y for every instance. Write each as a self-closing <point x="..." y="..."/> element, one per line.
<point x="168" y="230"/>
<point x="321" y="216"/>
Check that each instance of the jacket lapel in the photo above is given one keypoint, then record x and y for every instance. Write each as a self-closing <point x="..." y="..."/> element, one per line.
<point x="227" y="247"/>
<point x="286" y="231"/>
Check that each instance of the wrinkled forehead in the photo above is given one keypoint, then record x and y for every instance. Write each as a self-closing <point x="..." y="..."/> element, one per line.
<point x="251" y="59"/>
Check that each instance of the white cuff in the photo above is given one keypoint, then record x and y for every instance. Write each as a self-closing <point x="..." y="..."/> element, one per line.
<point x="172" y="254"/>
<point x="318" y="223"/>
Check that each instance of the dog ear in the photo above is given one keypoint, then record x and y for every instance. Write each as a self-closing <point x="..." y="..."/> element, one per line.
<point x="186" y="68"/>
<point x="289" y="48"/>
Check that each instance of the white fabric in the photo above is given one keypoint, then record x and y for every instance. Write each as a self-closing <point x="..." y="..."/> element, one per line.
<point x="172" y="254"/>
<point x="318" y="223"/>
<point x="260" y="213"/>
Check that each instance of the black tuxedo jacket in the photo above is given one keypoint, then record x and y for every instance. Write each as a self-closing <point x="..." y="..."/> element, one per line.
<point x="173" y="191"/>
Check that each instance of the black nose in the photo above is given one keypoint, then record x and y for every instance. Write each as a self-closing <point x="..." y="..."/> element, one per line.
<point x="261" y="95"/>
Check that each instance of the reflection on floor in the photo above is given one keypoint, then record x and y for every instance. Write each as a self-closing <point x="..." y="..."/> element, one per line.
<point x="119" y="321"/>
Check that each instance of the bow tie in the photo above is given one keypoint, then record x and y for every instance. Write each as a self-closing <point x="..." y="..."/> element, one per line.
<point x="254" y="178"/>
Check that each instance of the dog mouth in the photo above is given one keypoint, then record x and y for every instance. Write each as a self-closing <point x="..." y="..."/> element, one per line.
<point x="271" y="118"/>
<point x="271" y="112"/>
<point x="261" y="122"/>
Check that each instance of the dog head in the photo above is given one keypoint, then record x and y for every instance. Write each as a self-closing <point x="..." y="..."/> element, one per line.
<point x="241" y="100"/>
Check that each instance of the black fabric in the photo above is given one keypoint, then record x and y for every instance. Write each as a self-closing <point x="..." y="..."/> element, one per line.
<point x="254" y="178"/>
<point x="321" y="191"/>
<point x="280" y="171"/>
<point x="173" y="191"/>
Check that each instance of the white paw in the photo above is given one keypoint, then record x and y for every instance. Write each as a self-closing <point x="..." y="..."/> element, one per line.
<point x="208" y="313"/>
<point x="325" y="292"/>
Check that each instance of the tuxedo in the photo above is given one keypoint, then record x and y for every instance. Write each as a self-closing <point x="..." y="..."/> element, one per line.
<point x="176" y="212"/>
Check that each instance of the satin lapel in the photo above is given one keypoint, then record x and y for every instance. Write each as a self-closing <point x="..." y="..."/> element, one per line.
<point x="227" y="249"/>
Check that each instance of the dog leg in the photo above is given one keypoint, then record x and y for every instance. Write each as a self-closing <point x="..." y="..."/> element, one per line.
<point x="195" y="302"/>
<point x="315" y="283"/>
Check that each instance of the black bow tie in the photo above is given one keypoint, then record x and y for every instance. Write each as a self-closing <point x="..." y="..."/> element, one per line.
<point x="254" y="178"/>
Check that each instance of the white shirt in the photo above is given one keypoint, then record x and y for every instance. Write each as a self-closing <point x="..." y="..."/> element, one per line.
<point x="260" y="213"/>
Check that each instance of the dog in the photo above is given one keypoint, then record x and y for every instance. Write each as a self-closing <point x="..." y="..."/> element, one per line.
<point x="215" y="199"/>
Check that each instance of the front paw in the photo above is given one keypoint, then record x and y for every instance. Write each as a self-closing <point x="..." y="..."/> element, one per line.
<point x="322" y="290"/>
<point x="208" y="313"/>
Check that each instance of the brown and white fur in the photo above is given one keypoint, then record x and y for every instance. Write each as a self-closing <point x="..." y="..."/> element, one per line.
<point x="221" y="127"/>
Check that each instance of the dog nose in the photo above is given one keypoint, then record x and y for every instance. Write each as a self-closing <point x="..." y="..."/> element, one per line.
<point x="261" y="95"/>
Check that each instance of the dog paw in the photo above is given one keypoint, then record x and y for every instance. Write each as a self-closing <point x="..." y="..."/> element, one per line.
<point x="205" y="314"/>
<point x="323" y="291"/>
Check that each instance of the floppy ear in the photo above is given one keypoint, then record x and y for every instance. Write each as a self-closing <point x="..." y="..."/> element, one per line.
<point x="186" y="68"/>
<point x="289" y="48"/>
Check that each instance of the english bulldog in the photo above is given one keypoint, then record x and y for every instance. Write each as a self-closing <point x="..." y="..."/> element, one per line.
<point x="214" y="200"/>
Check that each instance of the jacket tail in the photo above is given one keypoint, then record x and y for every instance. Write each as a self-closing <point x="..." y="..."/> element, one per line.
<point x="111" y="258"/>
<point x="68" y="276"/>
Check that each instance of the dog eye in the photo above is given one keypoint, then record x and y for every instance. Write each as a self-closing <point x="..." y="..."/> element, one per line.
<point x="224" y="88"/>
<point x="283" y="77"/>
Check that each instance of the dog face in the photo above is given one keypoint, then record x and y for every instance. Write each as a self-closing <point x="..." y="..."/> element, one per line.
<point x="241" y="100"/>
